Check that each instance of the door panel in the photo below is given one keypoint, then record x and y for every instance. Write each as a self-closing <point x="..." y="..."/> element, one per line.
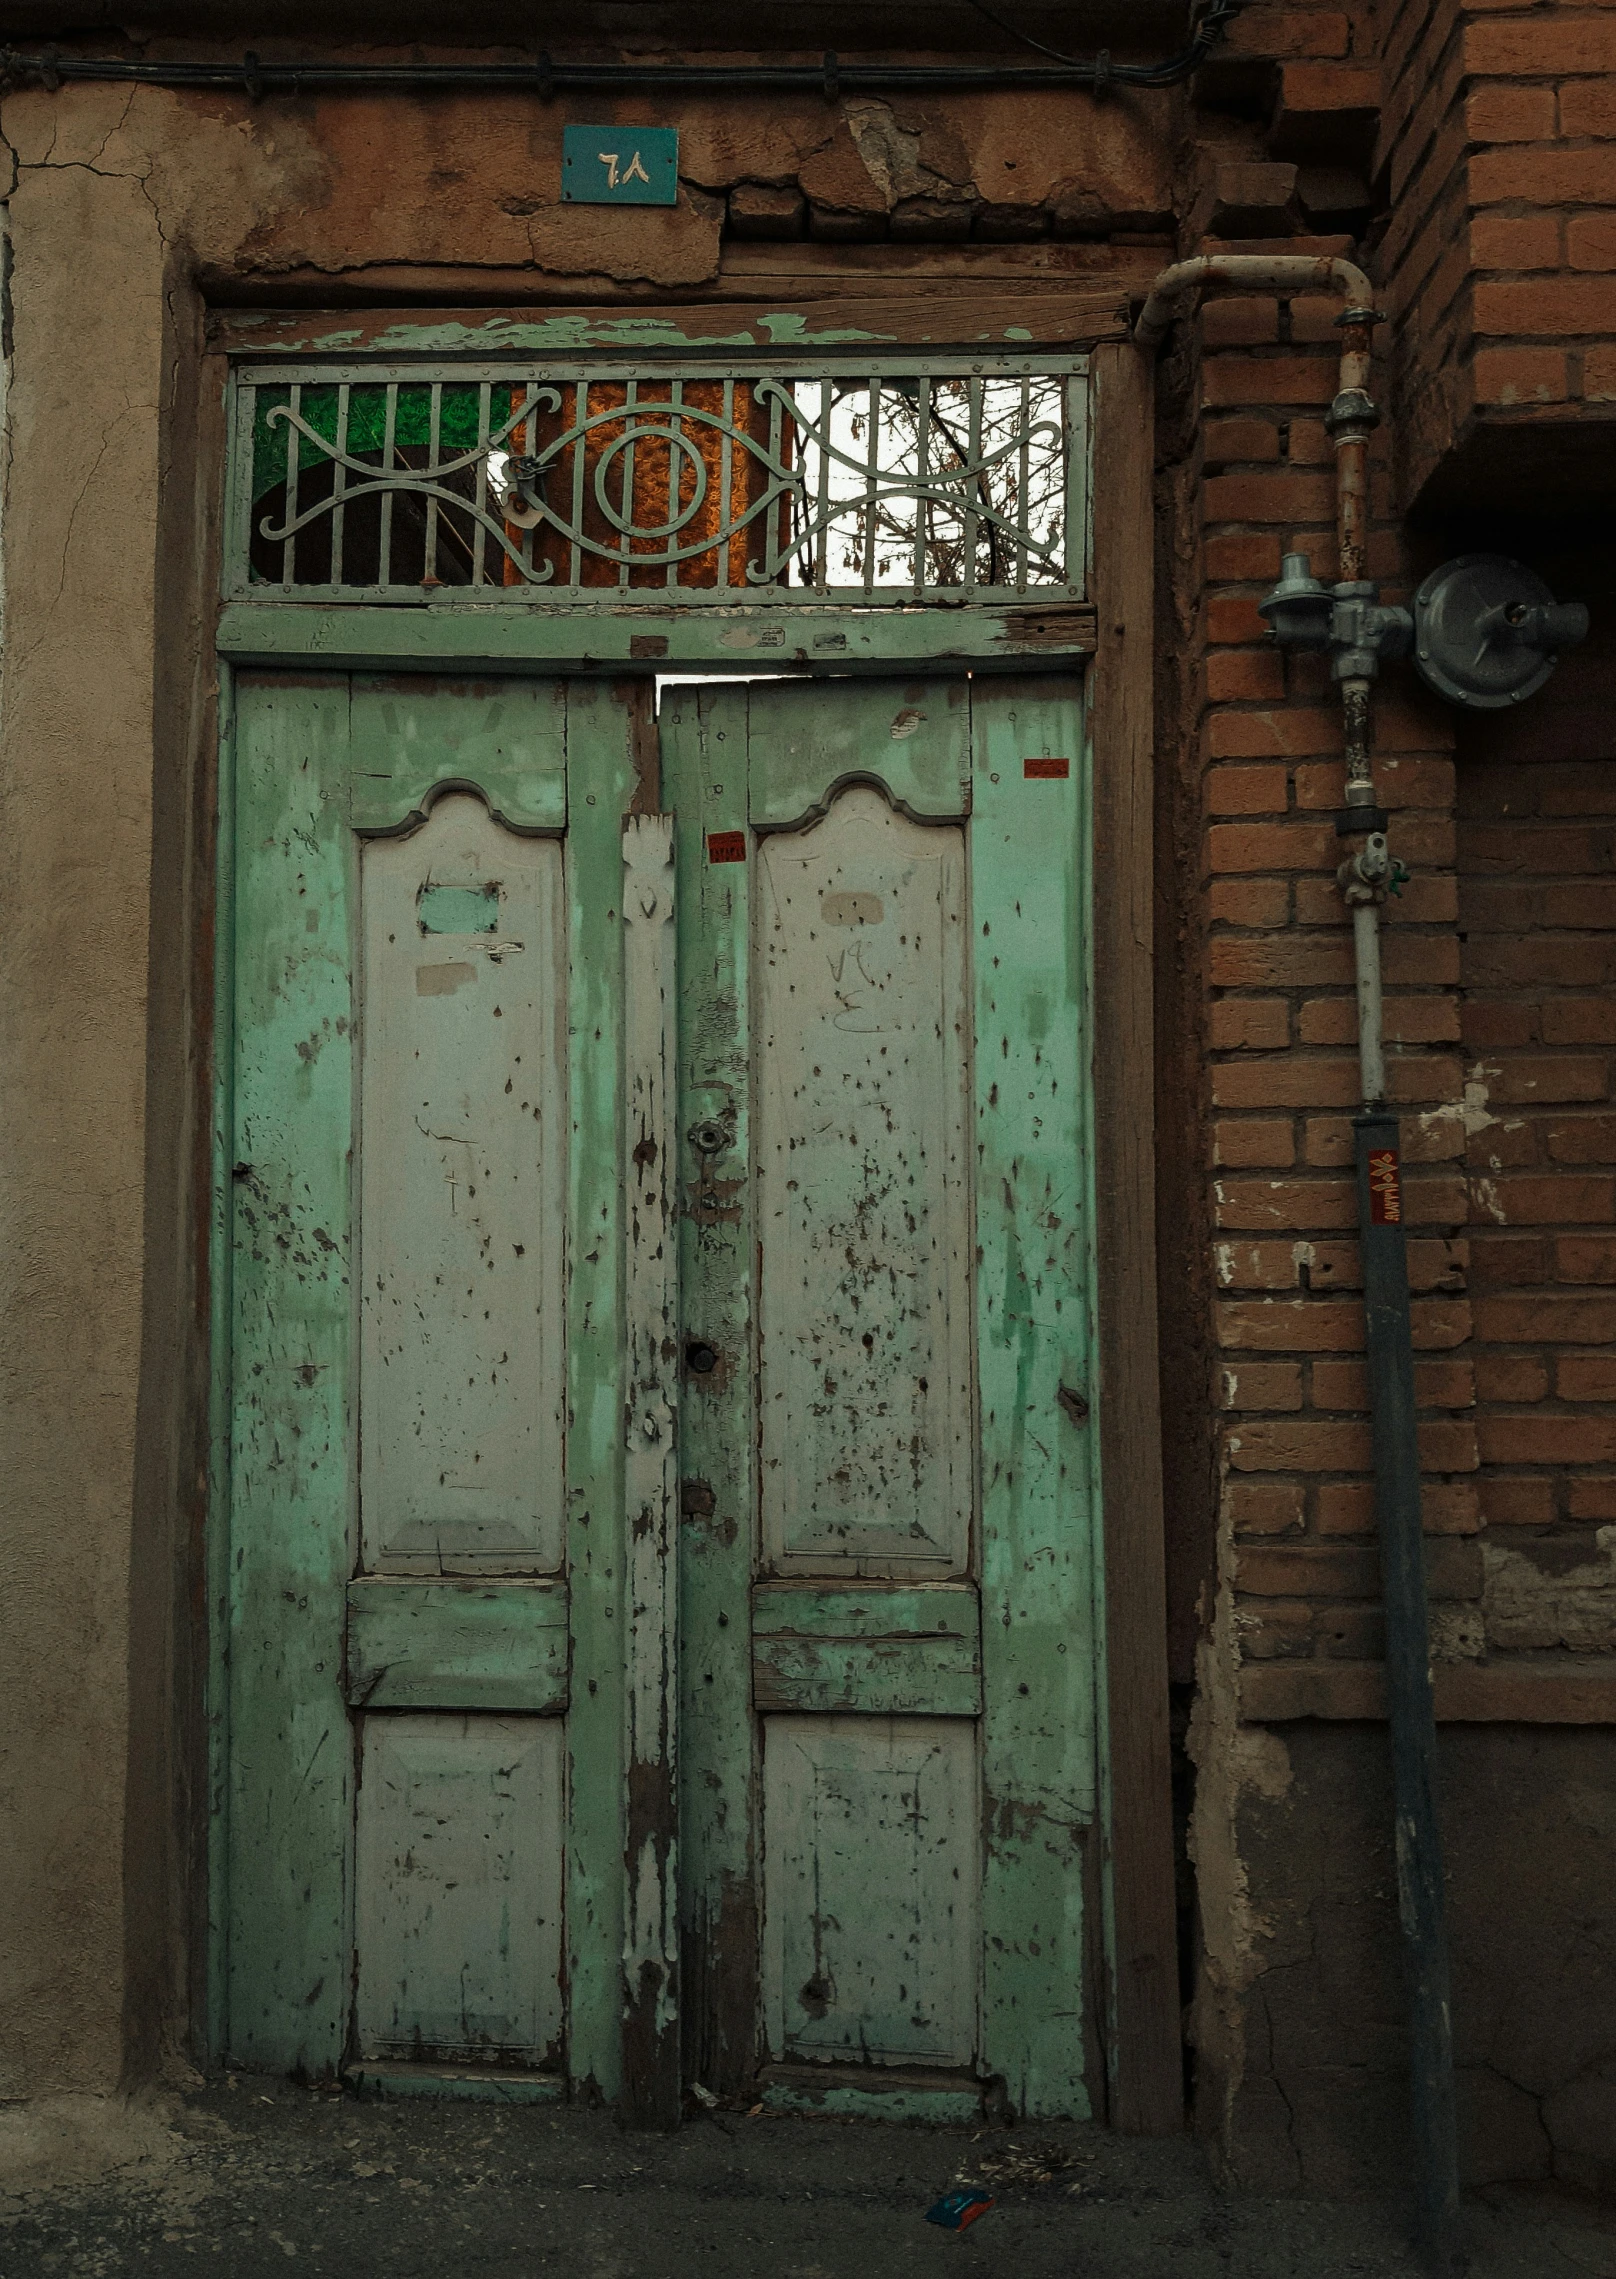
<point x="862" y="1195"/>
<point x="461" y="1836"/>
<point x="426" y="1621"/>
<point x="462" y="1158"/>
<point x="885" y="1245"/>
<point x="501" y="1646"/>
<point x="870" y="1887"/>
<point x="884" y="1651"/>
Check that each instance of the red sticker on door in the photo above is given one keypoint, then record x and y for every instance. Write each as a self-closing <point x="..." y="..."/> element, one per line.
<point x="1385" y="1188"/>
<point x="726" y="846"/>
<point x="1046" y="767"/>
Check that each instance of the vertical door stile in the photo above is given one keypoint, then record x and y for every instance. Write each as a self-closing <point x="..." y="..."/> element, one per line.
<point x="221" y="1326"/>
<point x="601" y="782"/>
<point x="291" y="1769"/>
<point x="1034" y="1362"/>
<point x="704" y="758"/>
<point x="651" y="1307"/>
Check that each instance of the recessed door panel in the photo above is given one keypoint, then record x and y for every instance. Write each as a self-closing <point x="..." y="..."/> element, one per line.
<point x="463" y="1198"/>
<point x="870" y="1881"/>
<point x="862" y="1194"/>
<point x="460" y="1843"/>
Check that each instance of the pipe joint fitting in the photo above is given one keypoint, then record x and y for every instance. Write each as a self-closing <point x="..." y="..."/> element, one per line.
<point x="1352" y="414"/>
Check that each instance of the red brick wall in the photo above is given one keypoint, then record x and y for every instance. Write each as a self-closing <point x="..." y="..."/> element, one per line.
<point x="1498" y="167"/>
<point x="1281" y="1072"/>
<point x="1501" y="1052"/>
<point x="1537" y="847"/>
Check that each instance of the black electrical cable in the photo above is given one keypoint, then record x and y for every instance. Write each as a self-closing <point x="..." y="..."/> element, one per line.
<point x="1203" y="37"/>
<point x="255" y="78"/>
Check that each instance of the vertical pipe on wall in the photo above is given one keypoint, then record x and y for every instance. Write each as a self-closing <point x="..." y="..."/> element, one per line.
<point x="1343" y="625"/>
<point x="1395" y="1440"/>
<point x="1366" y="965"/>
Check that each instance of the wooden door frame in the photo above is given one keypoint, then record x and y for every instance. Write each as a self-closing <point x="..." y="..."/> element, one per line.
<point x="1143" y="2043"/>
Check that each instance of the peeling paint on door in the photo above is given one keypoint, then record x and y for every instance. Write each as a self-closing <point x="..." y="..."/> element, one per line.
<point x="427" y="1085"/>
<point x="794" y="1768"/>
<point x="871" y="1889"/>
<point x="886" y="1261"/>
<point x="460" y="1840"/>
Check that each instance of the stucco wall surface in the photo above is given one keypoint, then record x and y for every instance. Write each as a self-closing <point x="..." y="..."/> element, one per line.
<point x="75" y="774"/>
<point x="368" y="188"/>
<point x="1320" y="2104"/>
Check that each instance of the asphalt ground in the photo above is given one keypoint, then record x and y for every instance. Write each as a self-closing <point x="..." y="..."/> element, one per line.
<point x="246" y="2177"/>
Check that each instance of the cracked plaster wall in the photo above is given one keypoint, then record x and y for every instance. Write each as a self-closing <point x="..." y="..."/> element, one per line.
<point x="1317" y="2101"/>
<point x="317" y="188"/>
<point x="1232" y="1763"/>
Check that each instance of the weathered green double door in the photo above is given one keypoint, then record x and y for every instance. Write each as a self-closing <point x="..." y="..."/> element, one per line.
<point x="661" y="1549"/>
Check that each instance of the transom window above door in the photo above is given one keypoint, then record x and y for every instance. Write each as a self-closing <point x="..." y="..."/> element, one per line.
<point x="866" y="481"/>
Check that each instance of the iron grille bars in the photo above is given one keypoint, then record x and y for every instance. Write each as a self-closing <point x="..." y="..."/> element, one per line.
<point x="869" y="480"/>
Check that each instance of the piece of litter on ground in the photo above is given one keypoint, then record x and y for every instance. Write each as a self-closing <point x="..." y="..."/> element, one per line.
<point x="753" y="2111"/>
<point x="704" y="2097"/>
<point x="955" y="2210"/>
<point x="1020" y="2164"/>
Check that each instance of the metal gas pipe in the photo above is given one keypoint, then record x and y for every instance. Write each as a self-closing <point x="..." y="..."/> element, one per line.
<point x="1348" y="622"/>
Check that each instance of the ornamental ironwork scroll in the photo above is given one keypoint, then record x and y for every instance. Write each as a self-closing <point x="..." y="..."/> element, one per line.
<point x="897" y="481"/>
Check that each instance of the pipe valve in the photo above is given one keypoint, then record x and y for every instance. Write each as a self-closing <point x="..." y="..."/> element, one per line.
<point x="1372" y="873"/>
<point x="1357" y="631"/>
<point x="1485" y="631"/>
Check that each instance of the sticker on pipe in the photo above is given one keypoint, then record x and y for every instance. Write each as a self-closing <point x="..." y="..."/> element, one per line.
<point x="1385" y="1188"/>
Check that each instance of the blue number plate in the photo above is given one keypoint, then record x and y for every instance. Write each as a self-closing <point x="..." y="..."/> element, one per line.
<point x="620" y="166"/>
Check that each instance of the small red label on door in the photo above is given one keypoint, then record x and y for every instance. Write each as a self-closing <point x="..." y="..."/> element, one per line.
<point x="1385" y="1188"/>
<point x="1046" y="767"/>
<point x="726" y="846"/>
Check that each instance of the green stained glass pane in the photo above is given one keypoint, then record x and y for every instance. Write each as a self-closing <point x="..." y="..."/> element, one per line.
<point x="367" y="426"/>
